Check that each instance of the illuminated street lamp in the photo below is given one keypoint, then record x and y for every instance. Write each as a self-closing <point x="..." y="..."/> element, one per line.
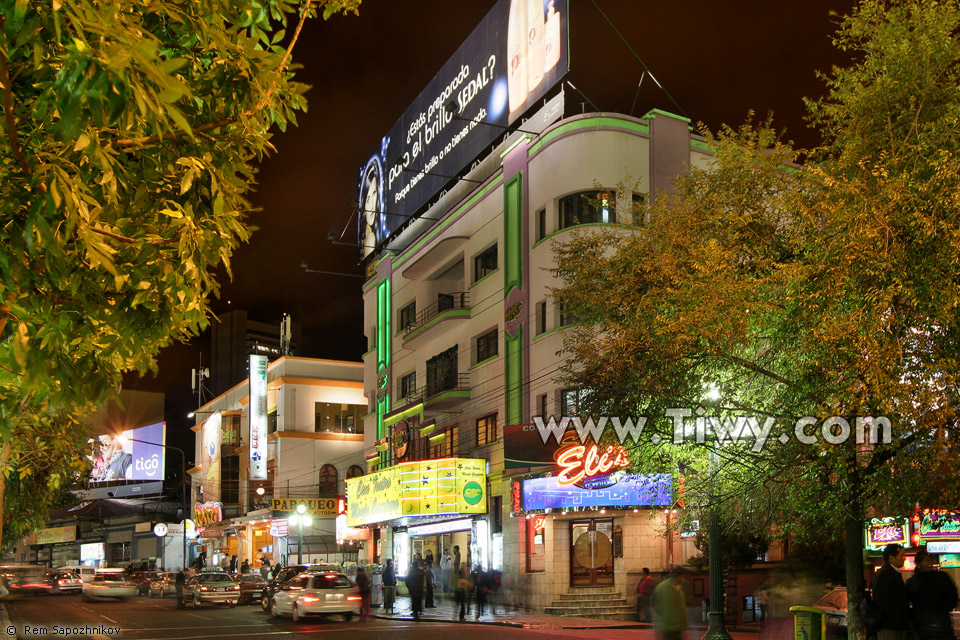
<point x="299" y="519"/>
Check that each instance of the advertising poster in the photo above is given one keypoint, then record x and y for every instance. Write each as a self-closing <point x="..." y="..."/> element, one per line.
<point x="133" y="454"/>
<point x="210" y="457"/>
<point x="258" y="418"/>
<point x="505" y="66"/>
<point x="616" y="490"/>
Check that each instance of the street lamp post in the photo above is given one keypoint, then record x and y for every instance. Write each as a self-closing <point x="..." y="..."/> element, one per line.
<point x="299" y="519"/>
<point x="183" y="477"/>
<point x="717" y="628"/>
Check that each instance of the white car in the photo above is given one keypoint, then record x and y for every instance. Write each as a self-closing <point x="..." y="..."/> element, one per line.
<point x="110" y="584"/>
<point x="317" y="593"/>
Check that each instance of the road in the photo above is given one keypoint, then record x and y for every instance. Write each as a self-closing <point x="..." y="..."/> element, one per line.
<point x="159" y="619"/>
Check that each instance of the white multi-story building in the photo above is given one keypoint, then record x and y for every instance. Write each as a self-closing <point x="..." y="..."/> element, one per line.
<point x="315" y="425"/>
<point x="464" y="351"/>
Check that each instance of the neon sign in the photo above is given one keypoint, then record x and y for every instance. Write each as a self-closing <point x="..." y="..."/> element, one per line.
<point x="579" y="462"/>
<point x="940" y="526"/>
<point x="888" y="530"/>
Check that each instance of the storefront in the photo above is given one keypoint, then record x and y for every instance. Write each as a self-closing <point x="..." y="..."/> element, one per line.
<point x="937" y="530"/>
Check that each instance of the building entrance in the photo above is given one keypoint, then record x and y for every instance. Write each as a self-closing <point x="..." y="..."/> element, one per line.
<point x="591" y="552"/>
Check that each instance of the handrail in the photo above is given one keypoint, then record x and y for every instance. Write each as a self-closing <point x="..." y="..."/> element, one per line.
<point x="446" y="302"/>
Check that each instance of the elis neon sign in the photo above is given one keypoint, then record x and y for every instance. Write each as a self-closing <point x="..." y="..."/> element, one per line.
<point x="583" y="462"/>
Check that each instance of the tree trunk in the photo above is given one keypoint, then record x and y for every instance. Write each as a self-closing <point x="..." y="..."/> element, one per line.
<point x="4" y="458"/>
<point x="854" y="555"/>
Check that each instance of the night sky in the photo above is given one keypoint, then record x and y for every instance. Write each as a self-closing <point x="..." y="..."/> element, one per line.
<point x="718" y="60"/>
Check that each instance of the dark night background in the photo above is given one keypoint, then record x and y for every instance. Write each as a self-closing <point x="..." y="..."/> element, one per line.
<point x="718" y="60"/>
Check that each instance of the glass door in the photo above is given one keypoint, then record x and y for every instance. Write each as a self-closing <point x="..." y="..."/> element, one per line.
<point x="591" y="552"/>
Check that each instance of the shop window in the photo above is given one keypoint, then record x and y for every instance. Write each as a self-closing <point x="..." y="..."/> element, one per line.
<point x="327" y="483"/>
<point x="487" y="430"/>
<point x="587" y="207"/>
<point x="335" y="417"/>
<point x="485" y="263"/>
<point x="534" y="545"/>
<point x="408" y="315"/>
<point x="487" y="345"/>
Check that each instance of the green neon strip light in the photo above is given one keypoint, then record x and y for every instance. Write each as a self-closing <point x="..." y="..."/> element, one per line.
<point x="415" y="410"/>
<point x="513" y="234"/>
<point x="513" y="369"/>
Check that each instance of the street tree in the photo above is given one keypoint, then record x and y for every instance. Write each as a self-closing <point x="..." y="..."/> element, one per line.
<point x="131" y="133"/>
<point x="762" y="291"/>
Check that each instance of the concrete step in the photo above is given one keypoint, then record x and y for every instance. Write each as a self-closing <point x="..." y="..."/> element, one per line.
<point x="607" y="589"/>
<point x="628" y="616"/>
<point x="591" y="597"/>
<point x="590" y="612"/>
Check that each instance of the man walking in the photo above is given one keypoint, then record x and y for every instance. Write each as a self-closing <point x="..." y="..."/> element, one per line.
<point x="389" y="587"/>
<point x="670" y="607"/>
<point x="416" y="579"/>
<point x="933" y="596"/>
<point x="890" y="594"/>
<point x="180" y="581"/>
<point x="644" y="592"/>
<point x="363" y="583"/>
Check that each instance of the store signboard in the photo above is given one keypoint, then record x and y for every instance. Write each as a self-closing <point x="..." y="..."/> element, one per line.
<point x="449" y="526"/>
<point x="950" y="561"/>
<point x="207" y="513"/>
<point x="52" y="535"/>
<point x="887" y="530"/>
<point x="943" y="547"/>
<point x="939" y="526"/>
<point x="92" y="554"/>
<point x="504" y="67"/>
<point x="619" y="490"/>
<point x="316" y="507"/>
<point x="278" y="527"/>
<point x="416" y="489"/>
<point x="258" y="417"/>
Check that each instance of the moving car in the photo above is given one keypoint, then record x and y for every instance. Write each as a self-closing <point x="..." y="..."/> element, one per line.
<point x="251" y="586"/>
<point x="285" y="574"/>
<point x="213" y="587"/>
<point x="143" y="580"/>
<point x="164" y="585"/>
<point x="85" y="572"/>
<point x="109" y="584"/>
<point x="316" y="594"/>
<point x="64" y="582"/>
<point x="24" y="579"/>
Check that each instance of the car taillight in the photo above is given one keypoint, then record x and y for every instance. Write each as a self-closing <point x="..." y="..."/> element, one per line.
<point x="353" y="598"/>
<point x="61" y="582"/>
<point x="204" y="589"/>
<point x="310" y="599"/>
<point x="235" y="587"/>
<point x="99" y="586"/>
<point x="40" y="585"/>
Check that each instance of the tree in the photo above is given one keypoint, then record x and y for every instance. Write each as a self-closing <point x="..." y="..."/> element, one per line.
<point x="131" y="133"/>
<point x="787" y="291"/>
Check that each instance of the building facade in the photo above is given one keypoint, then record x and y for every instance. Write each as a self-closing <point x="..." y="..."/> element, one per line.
<point x="314" y="440"/>
<point x="234" y="337"/>
<point x="464" y="340"/>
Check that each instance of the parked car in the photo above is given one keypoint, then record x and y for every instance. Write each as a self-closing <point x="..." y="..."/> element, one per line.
<point x="274" y="585"/>
<point x="64" y="582"/>
<point x="251" y="586"/>
<point x="143" y="580"/>
<point x="215" y="587"/>
<point x="86" y="572"/>
<point x="109" y="584"/>
<point x="164" y="585"/>
<point x="834" y="605"/>
<point x="316" y="594"/>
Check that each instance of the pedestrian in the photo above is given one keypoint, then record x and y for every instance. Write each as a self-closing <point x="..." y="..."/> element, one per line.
<point x="363" y="583"/>
<point x="389" y="587"/>
<point x="429" y="585"/>
<point x="201" y="561"/>
<point x="933" y="596"/>
<point x="494" y="580"/>
<point x="275" y="571"/>
<point x="233" y="563"/>
<point x="428" y="559"/>
<point x="644" y="592"/>
<point x="245" y="567"/>
<point x="264" y="568"/>
<point x="446" y="571"/>
<point x="890" y="594"/>
<point x="456" y="560"/>
<point x="669" y="606"/>
<point x="225" y="563"/>
<point x="481" y="589"/>
<point x="179" y="582"/>
<point x="415" y="585"/>
<point x="462" y="587"/>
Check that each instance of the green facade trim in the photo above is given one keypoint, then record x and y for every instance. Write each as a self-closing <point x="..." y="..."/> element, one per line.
<point x="446" y="222"/>
<point x="513" y="369"/>
<point x="492" y="273"/>
<point x="384" y="336"/>
<point x="546" y="333"/>
<point x="415" y="410"/>
<point x="447" y="395"/>
<point x="579" y="226"/>
<point x="452" y="313"/>
<point x="483" y="362"/>
<point x="649" y="115"/>
<point x="701" y="145"/>
<point x="589" y="123"/>
<point x="513" y="234"/>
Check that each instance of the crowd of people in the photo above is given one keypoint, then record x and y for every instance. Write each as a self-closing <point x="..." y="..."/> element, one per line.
<point x="922" y="603"/>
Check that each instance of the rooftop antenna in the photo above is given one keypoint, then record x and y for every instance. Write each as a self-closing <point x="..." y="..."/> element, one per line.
<point x="285" y="334"/>
<point x="197" y="376"/>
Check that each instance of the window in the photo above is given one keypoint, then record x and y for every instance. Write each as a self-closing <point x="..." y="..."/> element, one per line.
<point x="230" y="479"/>
<point x="587" y="207"/>
<point x="272" y="421"/>
<point x="566" y="317"/>
<point x="487" y="430"/>
<point x="542" y="405"/>
<point x="534" y="547"/>
<point x="487" y="345"/>
<point x="570" y="400"/>
<point x="542" y="224"/>
<point x="408" y="384"/>
<point x="355" y="471"/>
<point x="485" y="263"/>
<point x="230" y="430"/>
<point x="408" y="315"/>
<point x="327" y="483"/>
<point x="541" y="317"/>
<point x="335" y="417"/>
<point x="442" y="373"/>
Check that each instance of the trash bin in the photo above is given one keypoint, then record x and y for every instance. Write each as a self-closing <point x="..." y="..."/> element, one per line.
<point x="376" y="589"/>
<point x="809" y="623"/>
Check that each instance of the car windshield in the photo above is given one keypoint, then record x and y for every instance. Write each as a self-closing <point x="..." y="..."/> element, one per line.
<point x="212" y="578"/>
<point x="331" y="581"/>
<point x="836" y="599"/>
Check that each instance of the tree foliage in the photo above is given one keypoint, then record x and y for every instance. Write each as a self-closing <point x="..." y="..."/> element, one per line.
<point x="131" y="133"/>
<point x="824" y="290"/>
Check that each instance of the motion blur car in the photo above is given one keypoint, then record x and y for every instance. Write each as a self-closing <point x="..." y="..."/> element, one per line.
<point x="64" y="582"/>
<point x="164" y="585"/>
<point x="143" y="580"/>
<point x="110" y="584"/>
<point x="285" y="574"/>
<point x="215" y="587"/>
<point x="26" y="579"/>
<point x="316" y="594"/>
<point x="251" y="586"/>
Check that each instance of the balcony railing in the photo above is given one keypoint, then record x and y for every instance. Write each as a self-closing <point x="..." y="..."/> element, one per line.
<point x="446" y="302"/>
<point x="459" y="382"/>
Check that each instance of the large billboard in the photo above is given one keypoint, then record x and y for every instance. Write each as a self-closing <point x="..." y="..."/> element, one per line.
<point x="132" y="454"/>
<point x="617" y="490"/>
<point x="258" y="417"/>
<point x="210" y="440"/>
<point x="514" y="56"/>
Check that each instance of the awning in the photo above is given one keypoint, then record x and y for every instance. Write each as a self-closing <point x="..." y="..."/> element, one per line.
<point x="217" y="529"/>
